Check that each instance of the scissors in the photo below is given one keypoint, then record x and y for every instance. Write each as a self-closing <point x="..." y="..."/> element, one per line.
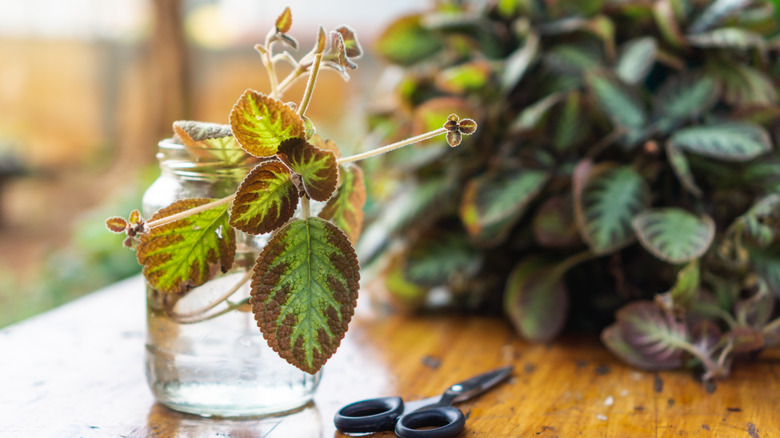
<point x="433" y="417"/>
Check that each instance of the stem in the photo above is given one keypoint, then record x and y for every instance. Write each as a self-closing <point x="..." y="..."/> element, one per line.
<point x="573" y="261"/>
<point x="216" y="302"/>
<point x="291" y="78"/>
<point x="269" y="66"/>
<point x="305" y="207"/>
<point x="606" y="141"/>
<point x="187" y="213"/>
<point x="393" y="146"/>
<point x="201" y="318"/>
<point x="315" y="69"/>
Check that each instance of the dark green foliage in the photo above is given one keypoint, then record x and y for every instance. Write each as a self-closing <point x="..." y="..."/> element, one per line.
<point x="637" y="139"/>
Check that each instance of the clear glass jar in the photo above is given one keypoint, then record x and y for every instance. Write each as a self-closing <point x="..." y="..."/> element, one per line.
<point x="213" y="361"/>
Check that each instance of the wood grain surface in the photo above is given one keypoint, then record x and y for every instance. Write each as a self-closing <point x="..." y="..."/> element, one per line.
<point x="78" y="372"/>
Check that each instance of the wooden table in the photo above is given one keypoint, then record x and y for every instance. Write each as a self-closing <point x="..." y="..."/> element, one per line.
<point x="77" y="372"/>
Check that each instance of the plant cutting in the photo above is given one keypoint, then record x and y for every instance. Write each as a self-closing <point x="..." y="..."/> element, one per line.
<point x="626" y="172"/>
<point x="304" y="283"/>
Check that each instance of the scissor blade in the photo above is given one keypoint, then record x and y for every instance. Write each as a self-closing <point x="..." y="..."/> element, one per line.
<point x="476" y="385"/>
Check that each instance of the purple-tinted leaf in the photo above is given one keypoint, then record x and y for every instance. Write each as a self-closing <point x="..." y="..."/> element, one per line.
<point x="705" y="336"/>
<point x="745" y="339"/>
<point x="647" y="337"/>
<point x="536" y="300"/>
<point x="116" y="224"/>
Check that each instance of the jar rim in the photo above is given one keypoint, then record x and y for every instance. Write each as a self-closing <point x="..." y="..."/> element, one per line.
<point x="169" y="144"/>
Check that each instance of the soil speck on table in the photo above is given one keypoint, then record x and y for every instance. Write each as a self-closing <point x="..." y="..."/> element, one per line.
<point x="705" y="426"/>
<point x="658" y="383"/>
<point x="752" y="430"/>
<point x="603" y="370"/>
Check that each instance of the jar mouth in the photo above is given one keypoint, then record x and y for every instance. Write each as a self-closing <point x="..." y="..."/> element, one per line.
<point x="203" y="162"/>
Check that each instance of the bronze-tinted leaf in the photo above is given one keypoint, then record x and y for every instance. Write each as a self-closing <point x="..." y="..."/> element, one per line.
<point x="116" y="224"/>
<point x="184" y="254"/>
<point x="351" y="45"/>
<point x="304" y="291"/>
<point x="266" y="199"/>
<point x="345" y="208"/>
<point x="284" y="21"/>
<point x="325" y="145"/>
<point x="317" y="168"/>
<point x="260" y="123"/>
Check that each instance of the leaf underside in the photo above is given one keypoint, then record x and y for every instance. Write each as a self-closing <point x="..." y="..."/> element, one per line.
<point x="317" y="168"/>
<point x="265" y="200"/>
<point x="345" y="208"/>
<point x="260" y="123"/>
<point x="184" y="254"/>
<point x="304" y="291"/>
<point x="646" y="337"/>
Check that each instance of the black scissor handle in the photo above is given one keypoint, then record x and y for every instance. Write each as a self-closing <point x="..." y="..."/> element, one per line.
<point x="440" y="422"/>
<point x="372" y="415"/>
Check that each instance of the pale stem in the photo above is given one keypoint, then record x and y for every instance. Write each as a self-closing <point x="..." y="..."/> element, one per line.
<point x="216" y="302"/>
<point x="393" y="146"/>
<point x="291" y="78"/>
<point x="305" y="207"/>
<point x="268" y="63"/>
<point x="200" y="318"/>
<point x="187" y="213"/>
<point x="315" y="69"/>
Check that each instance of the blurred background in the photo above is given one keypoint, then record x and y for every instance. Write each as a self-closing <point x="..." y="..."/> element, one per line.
<point x="88" y="87"/>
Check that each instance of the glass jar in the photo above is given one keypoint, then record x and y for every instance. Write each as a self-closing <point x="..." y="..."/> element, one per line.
<point x="204" y="354"/>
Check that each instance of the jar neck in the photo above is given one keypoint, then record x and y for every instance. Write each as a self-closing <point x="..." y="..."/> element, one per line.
<point x="203" y="164"/>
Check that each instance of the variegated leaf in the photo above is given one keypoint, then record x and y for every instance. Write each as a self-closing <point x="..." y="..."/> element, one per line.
<point x="265" y="200"/>
<point x="304" y="291"/>
<point x="345" y="208"/>
<point x="317" y="168"/>
<point x="261" y="123"/>
<point x="184" y="254"/>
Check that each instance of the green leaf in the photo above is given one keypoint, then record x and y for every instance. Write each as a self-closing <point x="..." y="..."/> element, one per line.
<point x="728" y="37"/>
<point x="317" y="168"/>
<point x="673" y="234"/>
<point x="682" y="169"/>
<point x="493" y="202"/>
<point x="606" y="199"/>
<point x="185" y="254"/>
<point x="345" y="208"/>
<point x="683" y="97"/>
<point x="463" y="78"/>
<point x="756" y="310"/>
<point x="266" y="199"/>
<point x="686" y="288"/>
<point x="406" y="41"/>
<point x="554" y="225"/>
<point x="440" y="258"/>
<point x="619" y="102"/>
<point x="761" y="224"/>
<point x="570" y="127"/>
<point x="741" y="84"/>
<point x="637" y="57"/>
<point x="532" y="114"/>
<point x="715" y="13"/>
<point x="519" y="61"/>
<point x="536" y="300"/>
<point x="261" y="123"/>
<point x="766" y="262"/>
<point x="571" y="58"/>
<point x="304" y="291"/>
<point x="667" y="22"/>
<point x="731" y="141"/>
<point x="646" y="337"/>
